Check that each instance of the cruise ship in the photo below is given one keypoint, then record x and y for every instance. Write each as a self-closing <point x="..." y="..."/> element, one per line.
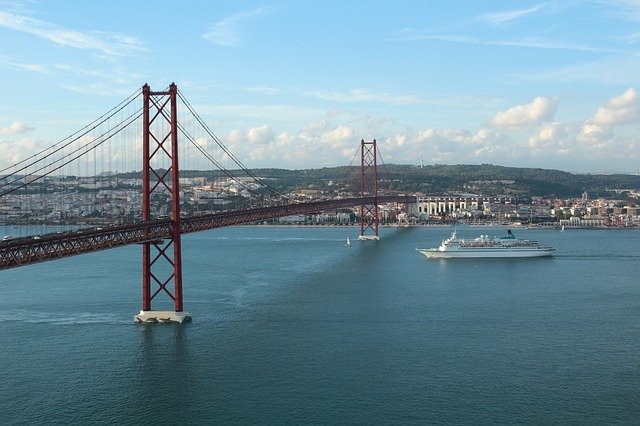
<point x="484" y="246"/>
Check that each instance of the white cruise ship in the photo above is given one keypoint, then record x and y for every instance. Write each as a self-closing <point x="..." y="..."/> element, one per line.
<point x="484" y="246"/>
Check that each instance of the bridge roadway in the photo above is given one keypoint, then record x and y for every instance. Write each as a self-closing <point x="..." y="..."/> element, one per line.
<point x="35" y="249"/>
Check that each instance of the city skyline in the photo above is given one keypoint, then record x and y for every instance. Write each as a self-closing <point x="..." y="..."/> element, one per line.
<point x="298" y="84"/>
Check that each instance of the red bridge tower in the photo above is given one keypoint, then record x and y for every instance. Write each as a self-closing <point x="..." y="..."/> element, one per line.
<point x="368" y="188"/>
<point x="160" y="176"/>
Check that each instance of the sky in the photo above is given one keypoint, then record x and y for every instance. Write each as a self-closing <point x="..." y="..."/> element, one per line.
<point x="297" y="83"/>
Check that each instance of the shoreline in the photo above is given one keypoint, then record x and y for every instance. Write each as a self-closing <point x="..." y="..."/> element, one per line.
<point x="289" y="225"/>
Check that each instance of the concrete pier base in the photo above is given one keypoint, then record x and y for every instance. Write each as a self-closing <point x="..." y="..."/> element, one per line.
<point x="368" y="237"/>
<point x="162" y="316"/>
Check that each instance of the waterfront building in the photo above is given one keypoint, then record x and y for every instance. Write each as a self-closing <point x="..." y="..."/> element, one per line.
<point x="584" y="222"/>
<point x="468" y="205"/>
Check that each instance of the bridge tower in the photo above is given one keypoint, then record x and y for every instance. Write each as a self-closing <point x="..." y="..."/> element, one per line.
<point x="368" y="188"/>
<point x="161" y="259"/>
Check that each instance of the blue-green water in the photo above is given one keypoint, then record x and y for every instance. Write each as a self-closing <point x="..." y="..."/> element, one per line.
<point x="291" y="326"/>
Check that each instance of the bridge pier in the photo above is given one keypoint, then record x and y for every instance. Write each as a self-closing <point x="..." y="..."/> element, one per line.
<point x="150" y="317"/>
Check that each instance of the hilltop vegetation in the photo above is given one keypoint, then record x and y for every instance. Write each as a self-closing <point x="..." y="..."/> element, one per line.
<point x="484" y="179"/>
<point x="488" y="179"/>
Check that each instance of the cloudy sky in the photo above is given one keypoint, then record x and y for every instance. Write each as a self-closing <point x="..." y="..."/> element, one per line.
<point x="297" y="84"/>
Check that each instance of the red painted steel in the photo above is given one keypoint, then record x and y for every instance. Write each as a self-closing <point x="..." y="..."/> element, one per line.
<point x="164" y="107"/>
<point x="146" y="195"/>
<point x="175" y="203"/>
<point x="24" y="251"/>
<point x="164" y="233"/>
<point x="369" y="216"/>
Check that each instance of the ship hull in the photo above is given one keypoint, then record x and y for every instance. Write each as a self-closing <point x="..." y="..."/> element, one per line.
<point x="484" y="253"/>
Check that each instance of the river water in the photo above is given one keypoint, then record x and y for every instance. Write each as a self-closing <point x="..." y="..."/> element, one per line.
<point x="291" y="326"/>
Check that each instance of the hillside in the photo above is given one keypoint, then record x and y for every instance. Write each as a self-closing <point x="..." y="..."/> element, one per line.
<point x="485" y="179"/>
<point x="489" y="179"/>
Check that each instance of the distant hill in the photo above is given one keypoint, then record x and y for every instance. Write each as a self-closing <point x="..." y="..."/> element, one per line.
<point x="488" y="179"/>
<point x="439" y="179"/>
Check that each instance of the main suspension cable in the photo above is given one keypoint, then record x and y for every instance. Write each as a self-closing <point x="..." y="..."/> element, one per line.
<point x="225" y="149"/>
<point x="215" y="162"/>
<point x="82" y="132"/>
<point x="132" y="118"/>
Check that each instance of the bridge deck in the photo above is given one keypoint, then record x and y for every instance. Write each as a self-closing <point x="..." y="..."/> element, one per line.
<point x="25" y="251"/>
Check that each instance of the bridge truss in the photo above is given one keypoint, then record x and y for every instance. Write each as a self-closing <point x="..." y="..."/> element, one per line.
<point x="29" y="250"/>
<point x="160" y="237"/>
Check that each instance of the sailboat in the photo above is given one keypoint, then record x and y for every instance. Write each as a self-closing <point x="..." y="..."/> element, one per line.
<point x="348" y="244"/>
<point x="562" y="229"/>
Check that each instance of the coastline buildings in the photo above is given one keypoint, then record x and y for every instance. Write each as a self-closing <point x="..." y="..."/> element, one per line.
<point x="108" y="199"/>
<point x="470" y="206"/>
<point x="581" y="212"/>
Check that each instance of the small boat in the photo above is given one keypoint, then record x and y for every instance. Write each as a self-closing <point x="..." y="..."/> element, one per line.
<point x="484" y="246"/>
<point x="348" y="243"/>
<point x="562" y="229"/>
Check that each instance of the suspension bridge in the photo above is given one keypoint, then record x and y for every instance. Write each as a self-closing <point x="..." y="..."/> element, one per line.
<point x="151" y="133"/>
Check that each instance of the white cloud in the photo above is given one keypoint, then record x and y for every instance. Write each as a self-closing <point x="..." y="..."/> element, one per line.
<point x="484" y="136"/>
<point x="624" y="9"/>
<point x="410" y="34"/>
<point x="548" y="132"/>
<point x="295" y="148"/>
<point x="108" y="44"/>
<point x="234" y="137"/>
<point x="339" y="137"/>
<point x="597" y="134"/>
<point x="524" y="135"/>
<point x="227" y="32"/>
<point x="16" y="128"/>
<point x="117" y="74"/>
<point x="264" y="90"/>
<point x="503" y="18"/>
<point x="595" y="140"/>
<point x="315" y="126"/>
<point x="101" y="89"/>
<point x="257" y="153"/>
<point x="400" y="139"/>
<point x="621" y="109"/>
<point x="539" y="110"/>
<point x="317" y="144"/>
<point x="12" y="152"/>
<point x="539" y="146"/>
<point x="204" y="142"/>
<point x="434" y="145"/>
<point x="590" y="130"/>
<point x="528" y="42"/>
<point x="445" y="139"/>
<point x="263" y="113"/>
<point x="544" y="43"/>
<point x="609" y="70"/>
<point x="349" y="152"/>
<point x="8" y="62"/>
<point x="285" y="139"/>
<point x="364" y="95"/>
<point x="439" y="145"/>
<point x="553" y="139"/>
<point x="260" y="135"/>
